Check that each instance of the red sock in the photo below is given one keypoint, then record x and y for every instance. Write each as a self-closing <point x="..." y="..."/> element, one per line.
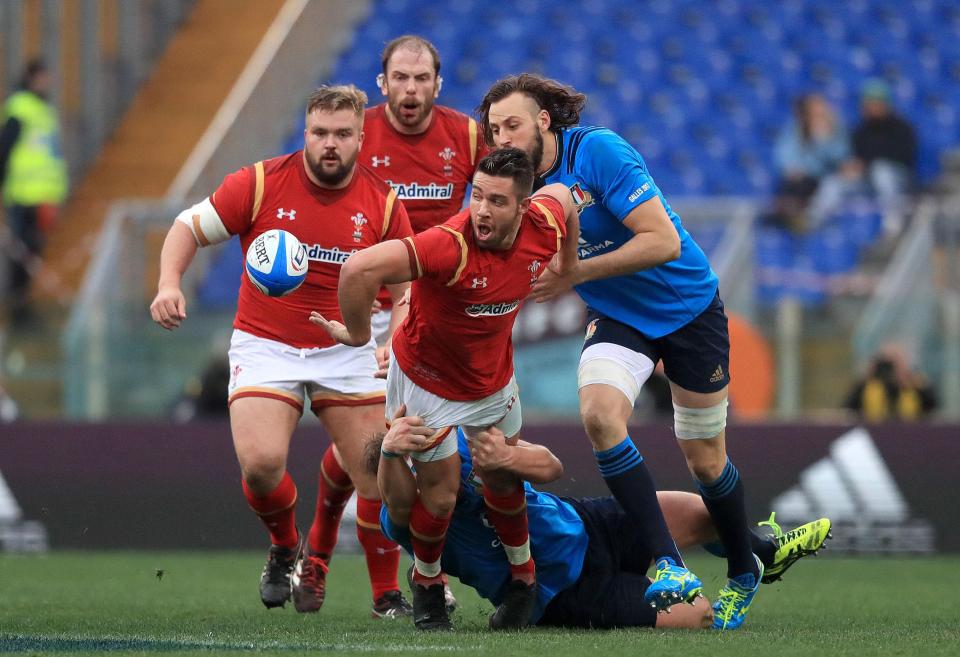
<point x="277" y="510"/>
<point x="383" y="555"/>
<point x="508" y="514"/>
<point x="335" y="489"/>
<point x="427" y="533"/>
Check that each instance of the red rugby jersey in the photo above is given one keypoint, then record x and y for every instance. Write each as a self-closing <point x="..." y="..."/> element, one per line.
<point x="456" y="341"/>
<point x="332" y="224"/>
<point x="430" y="171"/>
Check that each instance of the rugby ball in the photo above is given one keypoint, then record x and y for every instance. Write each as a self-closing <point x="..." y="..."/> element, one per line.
<point x="276" y="263"/>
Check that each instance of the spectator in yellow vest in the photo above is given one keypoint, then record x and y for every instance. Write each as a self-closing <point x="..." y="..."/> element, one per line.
<point x="33" y="178"/>
<point x="892" y="390"/>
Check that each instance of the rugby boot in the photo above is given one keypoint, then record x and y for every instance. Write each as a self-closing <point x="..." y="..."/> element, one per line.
<point x="794" y="544"/>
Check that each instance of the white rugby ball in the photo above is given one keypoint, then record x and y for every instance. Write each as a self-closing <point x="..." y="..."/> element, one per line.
<point x="276" y="263"/>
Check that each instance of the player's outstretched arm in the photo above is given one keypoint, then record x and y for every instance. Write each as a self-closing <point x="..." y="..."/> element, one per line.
<point x="655" y="241"/>
<point x="169" y="307"/>
<point x="361" y="277"/>
<point x="534" y="463"/>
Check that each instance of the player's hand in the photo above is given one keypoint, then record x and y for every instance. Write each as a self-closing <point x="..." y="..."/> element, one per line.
<point x="377" y="307"/>
<point x="490" y="451"/>
<point x="406" y="434"/>
<point x="169" y="308"/>
<point x="552" y="283"/>
<point x="405" y="299"/>
<point x="383" y="361"/>
<point x="337" y="331"/>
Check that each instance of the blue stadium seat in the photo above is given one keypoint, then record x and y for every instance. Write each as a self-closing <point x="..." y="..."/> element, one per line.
<point x="660" y="71"/>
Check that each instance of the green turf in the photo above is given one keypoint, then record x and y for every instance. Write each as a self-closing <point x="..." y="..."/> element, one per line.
<point x="207" y="603"/>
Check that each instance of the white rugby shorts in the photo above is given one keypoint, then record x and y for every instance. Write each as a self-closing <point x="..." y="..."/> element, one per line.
<point x="501" y="410"/>
<point x="327" y="376"/>
<point x="380" y="325"/>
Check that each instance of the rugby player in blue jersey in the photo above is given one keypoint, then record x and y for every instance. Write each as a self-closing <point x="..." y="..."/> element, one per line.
<point x="651" y="296"/>
<point x="591" y="559"/>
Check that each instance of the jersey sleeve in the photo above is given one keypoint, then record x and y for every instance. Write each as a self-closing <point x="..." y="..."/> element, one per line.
<point x="437" y="253"/>
<point x="478" y="145"/>
<point x="234" y="199"/>
<point x="396" y="222"/>
<point x="615" y="169"/>
<point x="548" y="212"/>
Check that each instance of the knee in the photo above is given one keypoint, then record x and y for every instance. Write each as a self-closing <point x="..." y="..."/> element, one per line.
<point x="262" y="472"/>
<point x="706" y="468"/>
<point x="602" y="420"/>
<point x="439" y="501"/>
<point x="366" y="486"/>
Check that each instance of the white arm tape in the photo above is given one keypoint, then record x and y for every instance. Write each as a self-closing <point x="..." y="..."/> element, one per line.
<point x="205" y="224"/>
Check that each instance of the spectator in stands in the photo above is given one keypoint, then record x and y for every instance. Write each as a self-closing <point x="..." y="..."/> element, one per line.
<point x="9" y="410"/>
<point x="883" y="165"/>
<point x="812" y="146"/>
<point x="892" y="389"/>
<point x="205" y="396"/>
<point x="33" y="177"/>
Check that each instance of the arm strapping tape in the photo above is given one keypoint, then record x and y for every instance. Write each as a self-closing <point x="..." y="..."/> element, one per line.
<point x="205" y="224"/>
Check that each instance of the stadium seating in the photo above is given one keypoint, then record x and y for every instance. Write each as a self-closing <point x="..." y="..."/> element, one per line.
<point x="702" y="89"/>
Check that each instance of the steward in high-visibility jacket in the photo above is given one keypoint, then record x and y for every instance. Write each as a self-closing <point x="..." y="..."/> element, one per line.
<point x="35" y="172"/>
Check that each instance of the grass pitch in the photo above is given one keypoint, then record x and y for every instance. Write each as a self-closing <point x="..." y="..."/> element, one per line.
<point x="207" y="604"/>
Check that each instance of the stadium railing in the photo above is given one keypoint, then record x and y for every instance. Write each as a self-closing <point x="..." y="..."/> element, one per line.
<point x="909" y="307"/>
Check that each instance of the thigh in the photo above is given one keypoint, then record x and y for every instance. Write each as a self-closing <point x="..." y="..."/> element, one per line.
<point x="609" y="342"/>
<point x="696" y="357"/>
<point x="351" y="428"/>
<point x="261" y="429"/>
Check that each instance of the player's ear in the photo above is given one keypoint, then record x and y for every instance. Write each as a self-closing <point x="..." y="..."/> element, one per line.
<point x="543" y="120"/>
<point x="525" y="204"/>
<point x="382" y="83"/>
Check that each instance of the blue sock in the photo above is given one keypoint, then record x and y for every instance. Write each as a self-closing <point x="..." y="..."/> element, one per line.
<point x="724" y="500"/>
<point x="628" y="479"/>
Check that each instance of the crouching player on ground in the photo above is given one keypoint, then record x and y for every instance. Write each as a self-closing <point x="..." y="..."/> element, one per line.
<point x="591" y="559"/>
<point x="453" y="356"/>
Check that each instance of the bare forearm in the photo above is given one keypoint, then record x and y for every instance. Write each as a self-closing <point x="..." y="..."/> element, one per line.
<point x="356" y="292"/>
<point x="177" y="253"/>
<point x="643" y="251"/>
<point x="535" y="464"/>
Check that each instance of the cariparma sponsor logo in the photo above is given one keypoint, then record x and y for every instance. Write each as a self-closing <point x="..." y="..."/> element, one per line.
<point x="492" y="309"/>
<point x="585" y="249"/>
<point x="331" y="256"/>
<point x="415" y="190"/>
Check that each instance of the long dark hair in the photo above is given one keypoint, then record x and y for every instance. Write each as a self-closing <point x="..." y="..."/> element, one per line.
<point x="562" y="102"/>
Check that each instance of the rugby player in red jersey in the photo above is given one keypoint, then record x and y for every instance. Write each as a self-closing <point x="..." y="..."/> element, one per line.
<point x="452" y="361"/>
<point x="279" y="361"/>
<point x="426" y="152"/>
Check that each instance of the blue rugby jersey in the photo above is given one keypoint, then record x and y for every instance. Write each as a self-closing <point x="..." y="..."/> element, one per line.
<point x="473" y="554"/>
<point x="608" y="179"/>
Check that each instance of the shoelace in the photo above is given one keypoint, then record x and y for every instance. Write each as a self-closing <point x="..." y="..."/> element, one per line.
<point x="278" y="568"/>
<point x="728" y="603"/>
<point x="310" y="573"/>
<point x="672" y="573"/>
<point x="777" y="532"/>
